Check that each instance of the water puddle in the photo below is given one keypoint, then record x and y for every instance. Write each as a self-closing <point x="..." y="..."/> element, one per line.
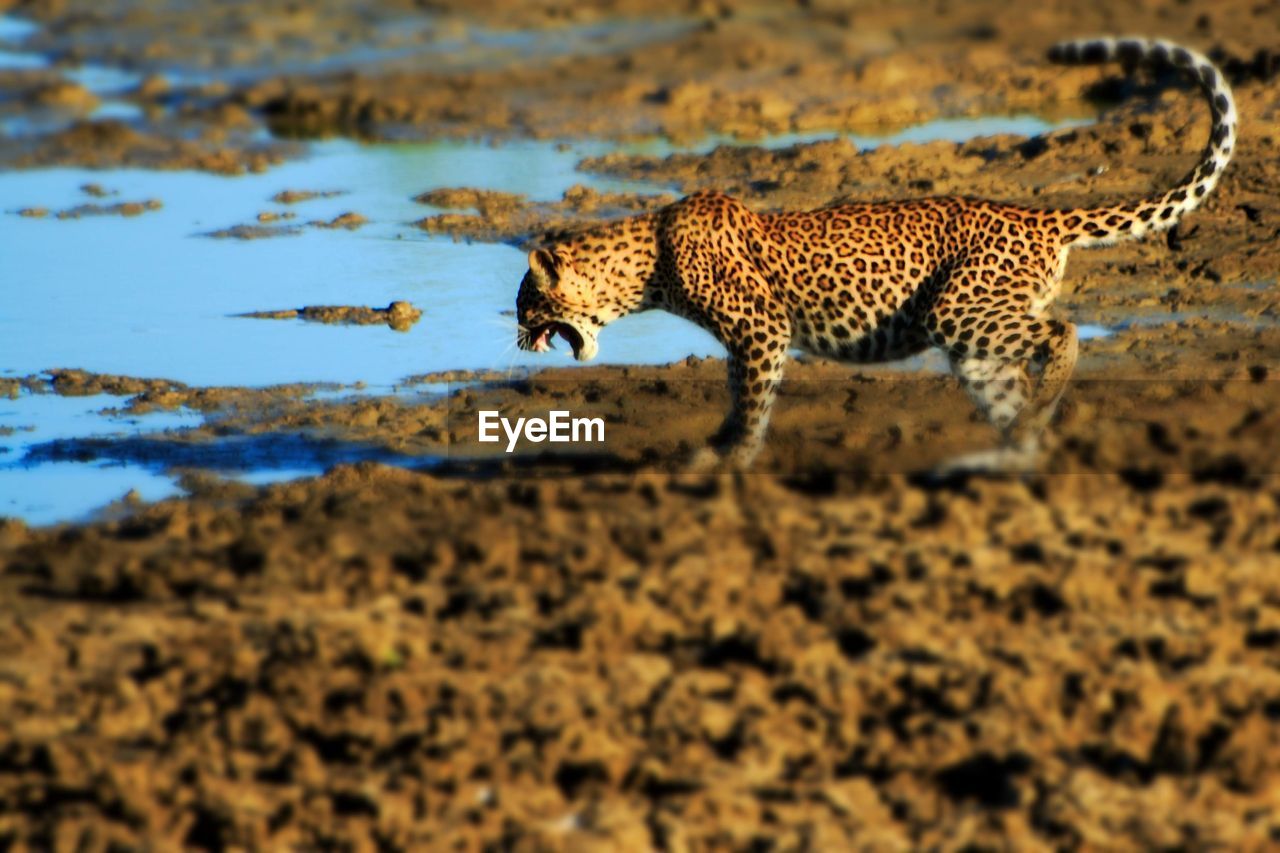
<point x="153" y="296"/>
<point x="1148" y="319"/>
<point x="441" y="49"/>
<point x="423" y="42"/>
<point x="48" y="492"/>
<point x="13" y="31"/>
<point x="104" y="80"/>
<point x="939" y="130"/>
<point x="11" y="60"/>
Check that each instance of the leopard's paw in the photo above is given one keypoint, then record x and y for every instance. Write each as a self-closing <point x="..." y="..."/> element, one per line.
<point x="1005" y="460"/>
<point x="710" y="459"/>
<point x="703" y="460"/>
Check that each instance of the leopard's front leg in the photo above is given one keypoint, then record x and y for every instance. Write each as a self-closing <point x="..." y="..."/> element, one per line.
<point x="719" y="285"/>
<point x="755" y="371"/>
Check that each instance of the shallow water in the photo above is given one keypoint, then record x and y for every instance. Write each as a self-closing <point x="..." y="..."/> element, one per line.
<point x="13" y="30"/>
<point x="417" y="42"/>
<point x="946" y="129"/>
<point x="55" y="491"/>
<point x="153" y="296"/>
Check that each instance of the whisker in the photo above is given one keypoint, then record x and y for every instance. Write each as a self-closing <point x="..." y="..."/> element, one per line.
<point x="522" y="339"/>
<point x="511" y="364"/>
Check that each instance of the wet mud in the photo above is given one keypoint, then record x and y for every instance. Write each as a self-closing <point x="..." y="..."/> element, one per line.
<point x="441" y="644"/>
<point x="255" y="232"/>
<point x="267" y="226"/>
<point x="97" y="191"/>
<point x="43" y="90"/>
<point x="512" y="218"/>
<point x="744" y="69"/>
<point x="349" y="221"/>
<point x="81" y="383"/>
<point x="111" y="143"/>
<point x="143" y="395"/>
<point x="753" y="69"/>
<point x="399" y="315"/>
<point x="298" y="196"/>
<point x="276" y="223"/>
<point x="124" y="208"/>
<point x="274" y="216"/>
<point x="607" y="653"/>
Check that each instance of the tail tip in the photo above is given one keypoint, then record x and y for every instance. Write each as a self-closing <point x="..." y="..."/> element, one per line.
<point x="1084" y="51"/>
<point x="1065" y="51"/>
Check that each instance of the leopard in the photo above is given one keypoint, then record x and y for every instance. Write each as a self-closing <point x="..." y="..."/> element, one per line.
<point x="869" y="282"/>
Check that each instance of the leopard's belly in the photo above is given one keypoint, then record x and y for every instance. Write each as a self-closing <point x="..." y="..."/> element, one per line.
<point x="863" y="325"/>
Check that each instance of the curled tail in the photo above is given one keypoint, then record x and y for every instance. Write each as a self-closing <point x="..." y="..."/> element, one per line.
<point x="1100" y="226"/>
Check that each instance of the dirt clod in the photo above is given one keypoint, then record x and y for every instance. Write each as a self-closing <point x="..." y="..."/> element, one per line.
<point x="399" y="315"/>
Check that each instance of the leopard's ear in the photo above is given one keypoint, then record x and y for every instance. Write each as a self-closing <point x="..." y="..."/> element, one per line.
<point x="545" y="266"/>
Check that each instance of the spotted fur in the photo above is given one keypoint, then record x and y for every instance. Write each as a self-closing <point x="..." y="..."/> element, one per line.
<point x="868" y="282"/>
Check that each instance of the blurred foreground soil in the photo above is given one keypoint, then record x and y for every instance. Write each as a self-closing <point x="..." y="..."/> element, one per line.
<point x="588" y="649"/>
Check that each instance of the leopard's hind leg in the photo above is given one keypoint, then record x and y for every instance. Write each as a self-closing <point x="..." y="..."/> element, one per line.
<point x="1015" y="368"/>
<point x="1055" y="360"/>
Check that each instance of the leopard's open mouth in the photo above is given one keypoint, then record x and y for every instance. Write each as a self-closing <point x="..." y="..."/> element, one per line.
<point x="539" y="338"/>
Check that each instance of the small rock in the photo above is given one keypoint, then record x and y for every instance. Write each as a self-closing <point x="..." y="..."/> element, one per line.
<point x="296" y="196"/>
<point x="350" y="221"/>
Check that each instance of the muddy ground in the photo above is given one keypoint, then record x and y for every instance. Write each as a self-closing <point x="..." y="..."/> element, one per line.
<point x="825" y="654"/>
<point x="455" y="648"/>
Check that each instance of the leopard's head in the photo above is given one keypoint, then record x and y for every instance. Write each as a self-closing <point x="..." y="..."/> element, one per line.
<point x="556" y="299"/>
